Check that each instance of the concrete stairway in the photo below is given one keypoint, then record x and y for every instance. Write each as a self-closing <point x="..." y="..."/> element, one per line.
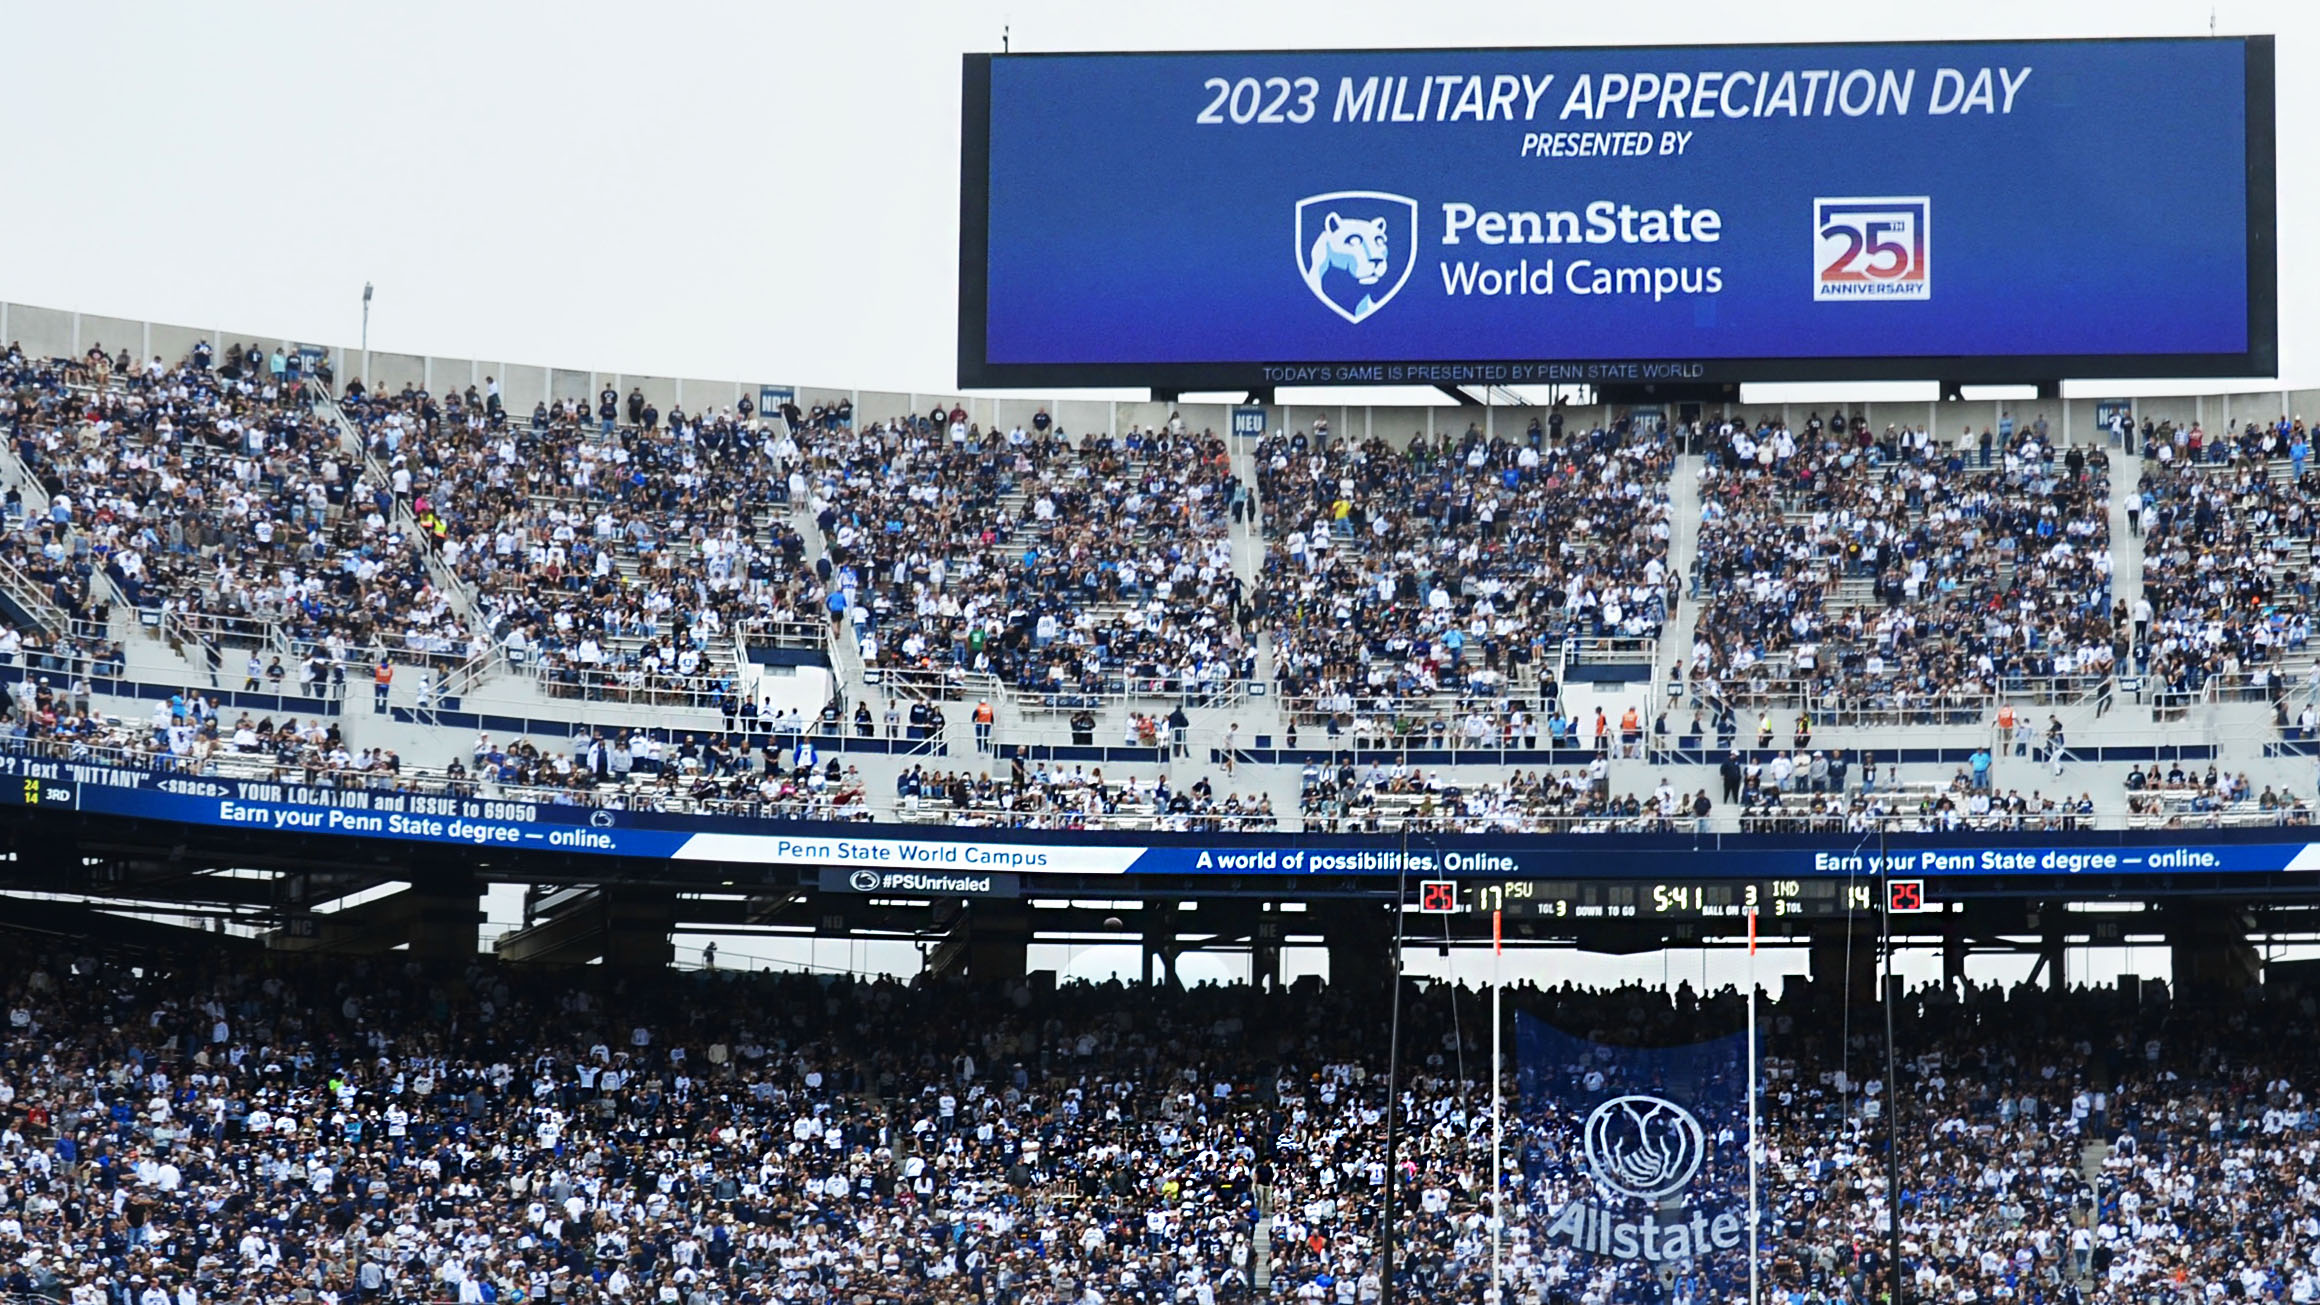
<point x="364" y="466"/>
<point x="1684" y="507"/>
<point x="2126" y="546"/>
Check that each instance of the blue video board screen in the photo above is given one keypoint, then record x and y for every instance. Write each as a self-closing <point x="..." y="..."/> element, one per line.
<point x="1967" y="211"/>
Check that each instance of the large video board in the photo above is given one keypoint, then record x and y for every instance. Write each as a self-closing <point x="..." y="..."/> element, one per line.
<point x="1955" y="211"/>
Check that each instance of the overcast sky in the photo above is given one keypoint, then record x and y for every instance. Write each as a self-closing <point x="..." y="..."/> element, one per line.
<point x="762" y="192"/>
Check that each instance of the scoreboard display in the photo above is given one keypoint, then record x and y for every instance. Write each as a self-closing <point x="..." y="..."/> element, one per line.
<point x="1672" y="899"/>
<point x="55" y="794"/>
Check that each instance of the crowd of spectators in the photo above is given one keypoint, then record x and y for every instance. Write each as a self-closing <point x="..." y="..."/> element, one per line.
<point x="1843" y="790"/>
<point x="1070" y="569"/>
<point x="1043" y="795"/>
<point x="83" y="647"/>
<point x="1473" y="725"/>
<point x="617" y="549"/>
<point x="2227" y="529"/>
<point x="2181" y="798"/>
<point x="1414" y="593"/>
<point x="212" y="490"/>
<point x="1439" y="576"/>
<point x="370" y="1130"/>
<point x="1394" y="797"/>
<point x="1895" y="576"/>
<point x="71" y="611"/>
<point x="767" y="776"/>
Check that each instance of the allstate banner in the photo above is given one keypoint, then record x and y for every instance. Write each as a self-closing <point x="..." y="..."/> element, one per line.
<point x="1636" y="1158"/>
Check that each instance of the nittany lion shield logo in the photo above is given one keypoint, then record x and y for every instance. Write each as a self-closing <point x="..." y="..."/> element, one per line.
<point x="1355" y="248"/>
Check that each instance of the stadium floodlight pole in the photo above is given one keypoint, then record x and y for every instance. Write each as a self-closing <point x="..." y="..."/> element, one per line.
<point x="366" y="331"/>
<point x="1497" y="1102"/>
<point x="1393" y="1081"/>
<point x="1892" y="1077"/>
<point x="1755" y="1213"/>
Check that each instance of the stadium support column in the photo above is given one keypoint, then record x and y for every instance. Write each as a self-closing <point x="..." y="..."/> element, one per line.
<point x="2210" y="949"/>
<point x="1265" y="953"/>
<point x="998" y="941"/>
<point x="1844" y="963"/>
<point x="446" y="911"/>
<point x="1160" y="944"/>
<point x="1360" y="941"/>
<point x="638" y="923"/>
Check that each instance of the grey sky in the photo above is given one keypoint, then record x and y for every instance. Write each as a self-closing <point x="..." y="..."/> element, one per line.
<point x="756" y="191"/>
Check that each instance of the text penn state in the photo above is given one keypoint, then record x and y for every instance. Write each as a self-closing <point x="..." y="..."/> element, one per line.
<point x="1602" y="222"/>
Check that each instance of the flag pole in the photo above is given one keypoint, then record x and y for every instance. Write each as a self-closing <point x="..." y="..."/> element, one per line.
<point x="1497" y="1108"/>
<point x="1753" y="1213"/>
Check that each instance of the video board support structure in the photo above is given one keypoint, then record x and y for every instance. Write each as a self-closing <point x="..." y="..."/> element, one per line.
<point x="1954" y="391"/>
<point x="1704" y="392"/>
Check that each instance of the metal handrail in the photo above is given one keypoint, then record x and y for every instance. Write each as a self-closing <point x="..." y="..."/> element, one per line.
<point x="1864" y="708"/>
<point x="566" y="680"/>
<point x="1610" y="649"/>
<point x="678" y="795"/>
<point x="217" y="627"/>
<point x="1317" y="707"/>
<point x="462" y="679"/>
<point x="446" y="579"/>
<point x="51" y="619"/>
<point x="959" y="682"/>
<point x="783" y="633"/>
<point x="2242" y="686"/>
<point x="946" y="683"/>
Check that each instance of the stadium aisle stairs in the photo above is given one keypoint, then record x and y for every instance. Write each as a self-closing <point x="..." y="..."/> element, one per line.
<point x="149" y="657"/>
<point x="1675" y="641"/>
<point x="363" y="465"/>
<point x="2090" y="1164"/>
<point x="1248" y="546"/>
<point x="845" y="651"/>
<point x="2126" y="548"/>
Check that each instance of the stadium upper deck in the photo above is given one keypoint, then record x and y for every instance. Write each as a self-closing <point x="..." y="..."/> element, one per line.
<point x="964" y="611"/>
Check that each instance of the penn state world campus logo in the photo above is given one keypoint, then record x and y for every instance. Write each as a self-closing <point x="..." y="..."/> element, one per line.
<point x="1355" y="248"/>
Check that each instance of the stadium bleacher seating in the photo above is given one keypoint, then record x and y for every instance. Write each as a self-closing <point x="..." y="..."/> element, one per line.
<point x="617" y="560"/>
<point x="1071" y="569"/>
<point x="343" y="1132"/>
<point x="217" y="494"/>
<point x="2227" y="563"/>
<point x="1896" y="578"/>
<point x="1424" y="632"/>
<point x="1434" y="578"/>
